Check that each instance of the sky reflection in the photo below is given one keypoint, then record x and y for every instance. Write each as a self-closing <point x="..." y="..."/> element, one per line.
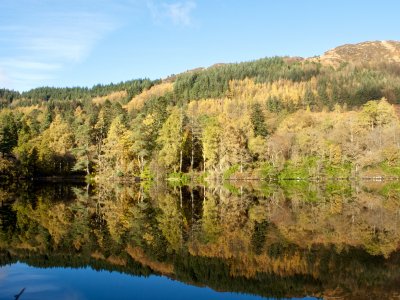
<point x="85" y="284"/>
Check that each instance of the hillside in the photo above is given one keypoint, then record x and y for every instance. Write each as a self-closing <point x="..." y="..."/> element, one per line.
<point x="276" y="118"/>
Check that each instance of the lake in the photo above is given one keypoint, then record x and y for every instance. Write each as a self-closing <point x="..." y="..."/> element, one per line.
<point x="243" y="240"/>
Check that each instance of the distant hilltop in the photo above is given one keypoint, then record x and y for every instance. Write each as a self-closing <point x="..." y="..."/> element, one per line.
<point x="376" y="51"/>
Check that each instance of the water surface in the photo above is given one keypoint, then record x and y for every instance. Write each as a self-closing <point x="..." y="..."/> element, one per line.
<point x="294" y="241"/>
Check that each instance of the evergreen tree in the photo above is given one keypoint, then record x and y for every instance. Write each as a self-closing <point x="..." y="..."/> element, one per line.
<point x="257" y="120"/>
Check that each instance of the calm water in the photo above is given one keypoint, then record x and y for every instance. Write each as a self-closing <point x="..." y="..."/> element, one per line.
<point x="337" y="240"/>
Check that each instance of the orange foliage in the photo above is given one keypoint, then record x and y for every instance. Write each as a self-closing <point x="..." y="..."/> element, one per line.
<point x="155" y="91"/>
<point x="113" y="97"/>
<point x="287" y="91"/>
<point x="137" y="254"/>
<point x="115" y="260"/>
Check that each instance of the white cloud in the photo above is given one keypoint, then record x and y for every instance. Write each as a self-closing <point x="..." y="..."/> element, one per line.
<point x="179" y="12"/>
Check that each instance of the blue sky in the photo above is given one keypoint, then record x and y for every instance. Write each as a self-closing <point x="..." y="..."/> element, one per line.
<point x="85" y="42"/>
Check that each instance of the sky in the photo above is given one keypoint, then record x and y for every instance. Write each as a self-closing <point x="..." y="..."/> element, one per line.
<point x="85" y="42"/>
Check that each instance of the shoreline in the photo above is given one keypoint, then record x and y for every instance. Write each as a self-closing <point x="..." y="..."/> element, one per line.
<point x="83" y="179"/>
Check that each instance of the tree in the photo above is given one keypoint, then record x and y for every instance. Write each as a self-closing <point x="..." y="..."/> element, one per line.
<point x="170" y="221"/>
<point x="211" y="139"/>
<point x="233" y="143"/>
<point x="54" y="147"/>
<point x="171" y="140"/>
<point x="115" y="149"/>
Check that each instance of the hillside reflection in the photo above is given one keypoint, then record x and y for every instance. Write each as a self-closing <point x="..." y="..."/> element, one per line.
<point x="338" y="239"/>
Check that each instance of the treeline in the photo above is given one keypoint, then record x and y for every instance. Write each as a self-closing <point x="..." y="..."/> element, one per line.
<point x="38" y="95"/>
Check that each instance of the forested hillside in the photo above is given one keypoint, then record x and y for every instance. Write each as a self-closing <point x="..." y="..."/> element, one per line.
<point x="276" y="118"/>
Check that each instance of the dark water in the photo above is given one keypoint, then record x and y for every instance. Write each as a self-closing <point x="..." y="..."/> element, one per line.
<point x="337" y="240"/>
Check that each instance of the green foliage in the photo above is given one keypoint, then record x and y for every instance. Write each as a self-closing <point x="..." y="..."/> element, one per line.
<point x="391" y="190"/>
<point x="390" y="170"/>
<point x="146" y="174"/>
<point x="231" y="171"/>
<point x="303" y="169"/>
<point x="178" y="179"/>
<point x="268" y="171"/>
<point x="337" y="171"/>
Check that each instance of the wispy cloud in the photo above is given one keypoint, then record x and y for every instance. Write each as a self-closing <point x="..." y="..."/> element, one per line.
<point x="24" y="64"/>
<point x="46" y="43"/>
<point x="180" y="13"/>
<point x="42" y="39"/>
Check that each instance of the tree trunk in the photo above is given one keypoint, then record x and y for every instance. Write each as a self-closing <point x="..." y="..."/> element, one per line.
<point x="204" y="163"/>
<point x="180" y="160"/>
<point x="181" y="137"/>
<point x="192" y="154"/>
<point x="181" y="196"/>
<point x="87" y="163"/>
